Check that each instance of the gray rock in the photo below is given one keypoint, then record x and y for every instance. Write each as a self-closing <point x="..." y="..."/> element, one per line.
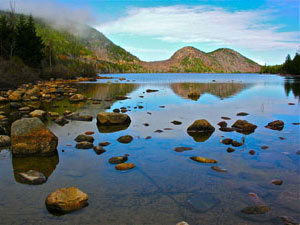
<point x="32" y="177"/>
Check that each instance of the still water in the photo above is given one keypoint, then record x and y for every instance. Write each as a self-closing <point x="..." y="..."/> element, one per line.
<point x="166" y="186"/>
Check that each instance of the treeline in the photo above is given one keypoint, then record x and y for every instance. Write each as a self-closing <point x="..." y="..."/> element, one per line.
<point x="26" y="57"/>
<point x="290" y="66"/>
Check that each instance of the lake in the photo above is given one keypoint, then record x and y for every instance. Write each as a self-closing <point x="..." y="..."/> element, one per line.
<point x="166" y="186"/>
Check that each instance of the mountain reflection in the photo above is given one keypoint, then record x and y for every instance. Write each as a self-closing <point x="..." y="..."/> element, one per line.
<point x="195" y="90"/>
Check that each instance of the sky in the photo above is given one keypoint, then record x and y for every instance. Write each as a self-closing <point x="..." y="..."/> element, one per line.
<point x="263" y="30"/>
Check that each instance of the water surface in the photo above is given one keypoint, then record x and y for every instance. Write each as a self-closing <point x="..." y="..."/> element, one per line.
<point x="166" y="186"/>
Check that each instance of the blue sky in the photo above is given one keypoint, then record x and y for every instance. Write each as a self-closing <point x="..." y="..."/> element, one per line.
<point x="263" y="30"/>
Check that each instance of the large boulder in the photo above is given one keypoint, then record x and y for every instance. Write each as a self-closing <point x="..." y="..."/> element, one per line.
<point x="108" y="118"/>
<point x="30" y="137"/>
<point x="65" y="200"/>
<point x="200" y="130"/>
<point x="244" y="127"/>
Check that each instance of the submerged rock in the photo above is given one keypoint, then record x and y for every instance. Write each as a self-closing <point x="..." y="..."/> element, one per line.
<point x="277" y="182"/>
<point x="125" y="166"/>
<point x="118" y="159"/>
<point x="104" y="143"/>
<point x="65" y="200"/>
<point x="242" y="114"/>
<point x="275" y="125"/>
<point x="203" y="160"/>
<point x="32" y="177"/>
<point x="257" y="209"/>
<point x="83" y="137"/>
<point x="30" y="136"/>
<point x="182" y="149"/>
<point x="218" y="169"/>
<point x="175" y="122"/>
<point x="244" y="127"/>
<point x="84" y="145"/>
<point x="99" y="150"/>
<point x="227" y="141"/>
<point x="125" y="139"/>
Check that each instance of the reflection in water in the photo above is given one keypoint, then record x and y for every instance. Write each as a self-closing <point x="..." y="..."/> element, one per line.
<point x="195" y="90"/>
<point x="292" y="85"/>
<point x="103" y="94"/>
<point x="200" y="136"/>
<point x="45" y="165"/>
<point x="112" y="128"/>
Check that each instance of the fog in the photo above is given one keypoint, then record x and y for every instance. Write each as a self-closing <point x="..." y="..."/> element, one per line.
<point x="58" y="15"/>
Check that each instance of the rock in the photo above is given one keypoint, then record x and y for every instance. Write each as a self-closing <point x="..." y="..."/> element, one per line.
<point x="89" y="133"/>
<point x="24" y="109"/>
<point x="275" y="125"/>
<point x="242" y="114"/>
<point x="146" y="124"/>
<point x="218" y="169"/>
<point x="3" y="100"/>
<point x="181" y="149"/>
<point x="227" y="141"/>
<point x="105" y="143"/>
<point x="236" y="144"/>
<point x="257" y="209"/>
<point x="201" y="126"/>
<point x="15" y="96"/>
<point x="182" y="223"/>
<point x="281" y="138"/>
<point x="277" y="182"/>
<point x="38" y="113"/>
<point x="125" y="139"/>
<point x="15" y="105"/>
<point x="61" y="121"/>
<point x="66" y="200"/>
<point x="77" y="98"/>
<point x="203" y="160"/>
<point x="140" y="107"/>
<point x="34" y="92"/>
<point x="53" y="114"/>
<point x="229" y="150"/>
<point x="200" y="130"/>
<point x="83" y="137"/>
<point x="99" y="150"/>
<point x="84" y="145"/>
<point x="243" y="126"/>
<point x="225" y="118"/>
<point x="222" y="124"/>
<point x="30" y="136"/>
<point x="106" y="118"/>
<point x="116" y="110"/>
<point x="125" y="166"/>
<point x="121" y="97"/>
<point x="289" y="221"/>
<point x="264" y="147"/>
<point x="148" y="137"/>
<point x="118" y="159"/>
<point x="3" y="130"/>
<point x="4" y="141"/>
<point x="32" y="177"/>
<point x="298" y="152"/>
<point x="252" y="152"/>
<point x="291" y="103"/>
<point x="151" y="90"/>
<point x="158" y="131"/>
<point x="175" y="122"/>
<point x="226" y="129"/>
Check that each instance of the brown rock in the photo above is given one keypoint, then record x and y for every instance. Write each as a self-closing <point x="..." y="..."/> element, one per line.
<point x="277" y="182"/>
<point x="125" y="166"/>
<point x="125" y="139"/>
<point x="106" y="118"/>
<point x="275" y="125"/>
<point x="66" y="200"/>
<point x="243" y="126"/>
<point x="181" y="149"/>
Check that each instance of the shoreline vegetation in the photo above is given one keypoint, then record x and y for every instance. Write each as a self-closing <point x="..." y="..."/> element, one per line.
<point x="31" y="50"/>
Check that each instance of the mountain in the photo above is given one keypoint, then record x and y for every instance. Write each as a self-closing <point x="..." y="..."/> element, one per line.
<point x="190" y="59"/>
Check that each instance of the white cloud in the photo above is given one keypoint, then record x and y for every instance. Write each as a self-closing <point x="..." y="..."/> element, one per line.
<point x="204" y="24"/>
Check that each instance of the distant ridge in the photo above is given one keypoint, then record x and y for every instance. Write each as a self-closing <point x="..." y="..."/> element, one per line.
<point x="190" y="59"/>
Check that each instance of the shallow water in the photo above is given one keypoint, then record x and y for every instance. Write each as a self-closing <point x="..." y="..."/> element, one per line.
<point x="166" y="186"/>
